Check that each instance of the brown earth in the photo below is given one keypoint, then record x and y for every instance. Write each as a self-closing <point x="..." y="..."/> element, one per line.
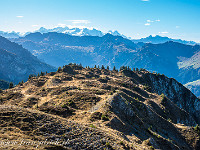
<point x="90" y="108"/>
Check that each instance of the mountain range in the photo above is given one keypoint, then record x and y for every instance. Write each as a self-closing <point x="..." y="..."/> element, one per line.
<point x="12" y="34"/>
<point x="57" y="48"/>
<point x="86" y="31"/>
<point x="76" y="31"/>
<point x="173" y="59"/>
<point x="159" y="39"/>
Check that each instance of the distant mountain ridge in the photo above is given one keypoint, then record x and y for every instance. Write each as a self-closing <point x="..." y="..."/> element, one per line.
<point x="73" y="31"/>
<point x="88" y="31"/>
<point x="159" y="39"/>
<point x="10" y="34"/>
<point x="76" y="31"/>
<point x="80" y="31"/>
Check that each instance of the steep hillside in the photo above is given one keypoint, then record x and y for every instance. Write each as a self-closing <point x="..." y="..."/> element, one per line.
<point x="18" y="63"/>
<point x="95" y="108"/>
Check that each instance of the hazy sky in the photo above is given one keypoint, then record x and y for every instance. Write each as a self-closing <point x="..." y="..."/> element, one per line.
<point x="133" y="18"/>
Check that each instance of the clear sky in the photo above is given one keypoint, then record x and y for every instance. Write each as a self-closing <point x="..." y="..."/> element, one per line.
<point x="133" y="18"/>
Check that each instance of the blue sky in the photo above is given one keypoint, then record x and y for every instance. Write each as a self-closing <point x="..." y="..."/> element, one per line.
<point x="133" y="18"/>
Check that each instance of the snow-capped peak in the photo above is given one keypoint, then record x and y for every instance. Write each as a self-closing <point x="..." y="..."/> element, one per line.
<point x="78" y="31"/>
<point x="66" y="29"/>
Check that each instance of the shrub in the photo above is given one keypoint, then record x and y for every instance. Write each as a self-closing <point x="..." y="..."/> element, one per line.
<point x="42" y="73"/>
<point x="92" y="126"/>
<point x="169" y="120"/>
<point x="104" y="117"/>
<point x="164" y="99"/>
<point x="197" y="129"/>
<point x="11" y="85"/>
<point x="114" y="68"/>
<point x="151" y="147"/>
<point x="71" y="103"/>
<point x="147" y="88"/>
<point x="162" y="95"/>
<point x="31" y="75"/>
<point x="95" y="116"/>
<point x="1" y="99"/>
<point x="64" y="106"/>
<point x="111" y="93"/>
<point x="113" y="90"/>
<point x="59" y="69"/>
<point x="169" y="140"/>
<point x="142" y="69"/>
<point x="123" y="68"/>
<point x="149" y="129"/>
<point x="108" y="145"/>
<point x="136" y="99"/>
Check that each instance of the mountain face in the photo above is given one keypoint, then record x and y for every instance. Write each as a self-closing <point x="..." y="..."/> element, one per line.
<point x="57" y="49"/>
<point x="167" y="58"/>
<point x="159" y="39"/>
<point x="91" y="108"/>
<point x="18" y="63"/>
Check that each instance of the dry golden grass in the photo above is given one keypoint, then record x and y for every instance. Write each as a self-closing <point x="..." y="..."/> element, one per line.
<point x="93" y="109"/>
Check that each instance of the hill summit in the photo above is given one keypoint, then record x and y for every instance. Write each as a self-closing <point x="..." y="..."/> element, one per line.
<point x="93" y="108"/>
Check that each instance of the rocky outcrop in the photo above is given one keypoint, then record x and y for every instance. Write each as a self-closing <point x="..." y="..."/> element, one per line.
<point x="176" y="92"/>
